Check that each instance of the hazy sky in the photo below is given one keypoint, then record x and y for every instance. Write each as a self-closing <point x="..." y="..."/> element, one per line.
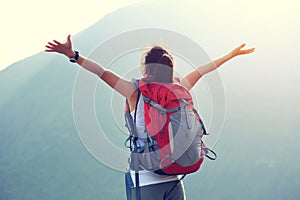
<point x="27" y="25"/>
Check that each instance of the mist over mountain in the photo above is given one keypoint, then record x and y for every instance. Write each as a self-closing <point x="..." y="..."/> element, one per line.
<point x="43" y="157"/>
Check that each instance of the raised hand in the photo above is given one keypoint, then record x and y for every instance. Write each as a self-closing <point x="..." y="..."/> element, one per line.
<point x="239" y="51"/>
<point x="62" y="48"/>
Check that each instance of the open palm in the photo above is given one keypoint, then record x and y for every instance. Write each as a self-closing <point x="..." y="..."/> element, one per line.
<point x="239" y="51"/>
<point x="58" y="47"/>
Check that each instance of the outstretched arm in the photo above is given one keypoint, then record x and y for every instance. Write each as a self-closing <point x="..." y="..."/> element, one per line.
<point x="191" y="79"/>
<point x="123" y="86"/>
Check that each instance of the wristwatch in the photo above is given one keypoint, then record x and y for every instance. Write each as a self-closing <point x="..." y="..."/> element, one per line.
<point x="75" y="58"/>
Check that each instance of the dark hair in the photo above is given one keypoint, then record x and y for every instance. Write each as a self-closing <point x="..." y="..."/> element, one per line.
<point x="159" y="64"/>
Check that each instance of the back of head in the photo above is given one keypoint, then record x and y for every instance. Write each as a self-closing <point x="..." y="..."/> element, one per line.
<point x="159" y="65"/>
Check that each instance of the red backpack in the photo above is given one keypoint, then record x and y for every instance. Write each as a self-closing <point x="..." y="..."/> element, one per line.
<point x="173" y="143"/>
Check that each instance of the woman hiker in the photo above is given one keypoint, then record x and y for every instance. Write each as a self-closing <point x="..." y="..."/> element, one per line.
<point x="152" y="186"/>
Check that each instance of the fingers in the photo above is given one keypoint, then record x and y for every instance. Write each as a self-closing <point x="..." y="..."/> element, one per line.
<point x="251" y="50"/>
<point x="242" y="45"/>
<point x="51" y="44"/>
<point x="56" y="46"/>
<point x="56" y="42"/>
<point x="49" y="50"/>
<point x="245" y="51"/>
<point x="69" y="38"/>
<point x="50" y="47"/>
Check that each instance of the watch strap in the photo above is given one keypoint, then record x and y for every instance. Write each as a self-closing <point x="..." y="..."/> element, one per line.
<point x="75" y="58"/>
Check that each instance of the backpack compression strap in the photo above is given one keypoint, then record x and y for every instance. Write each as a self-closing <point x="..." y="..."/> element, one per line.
<point x="159" y="107"/>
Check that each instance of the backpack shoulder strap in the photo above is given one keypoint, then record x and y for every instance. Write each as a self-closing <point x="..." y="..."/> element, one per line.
<point x="130" y="122"/>
<point x="136" y="82"/>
